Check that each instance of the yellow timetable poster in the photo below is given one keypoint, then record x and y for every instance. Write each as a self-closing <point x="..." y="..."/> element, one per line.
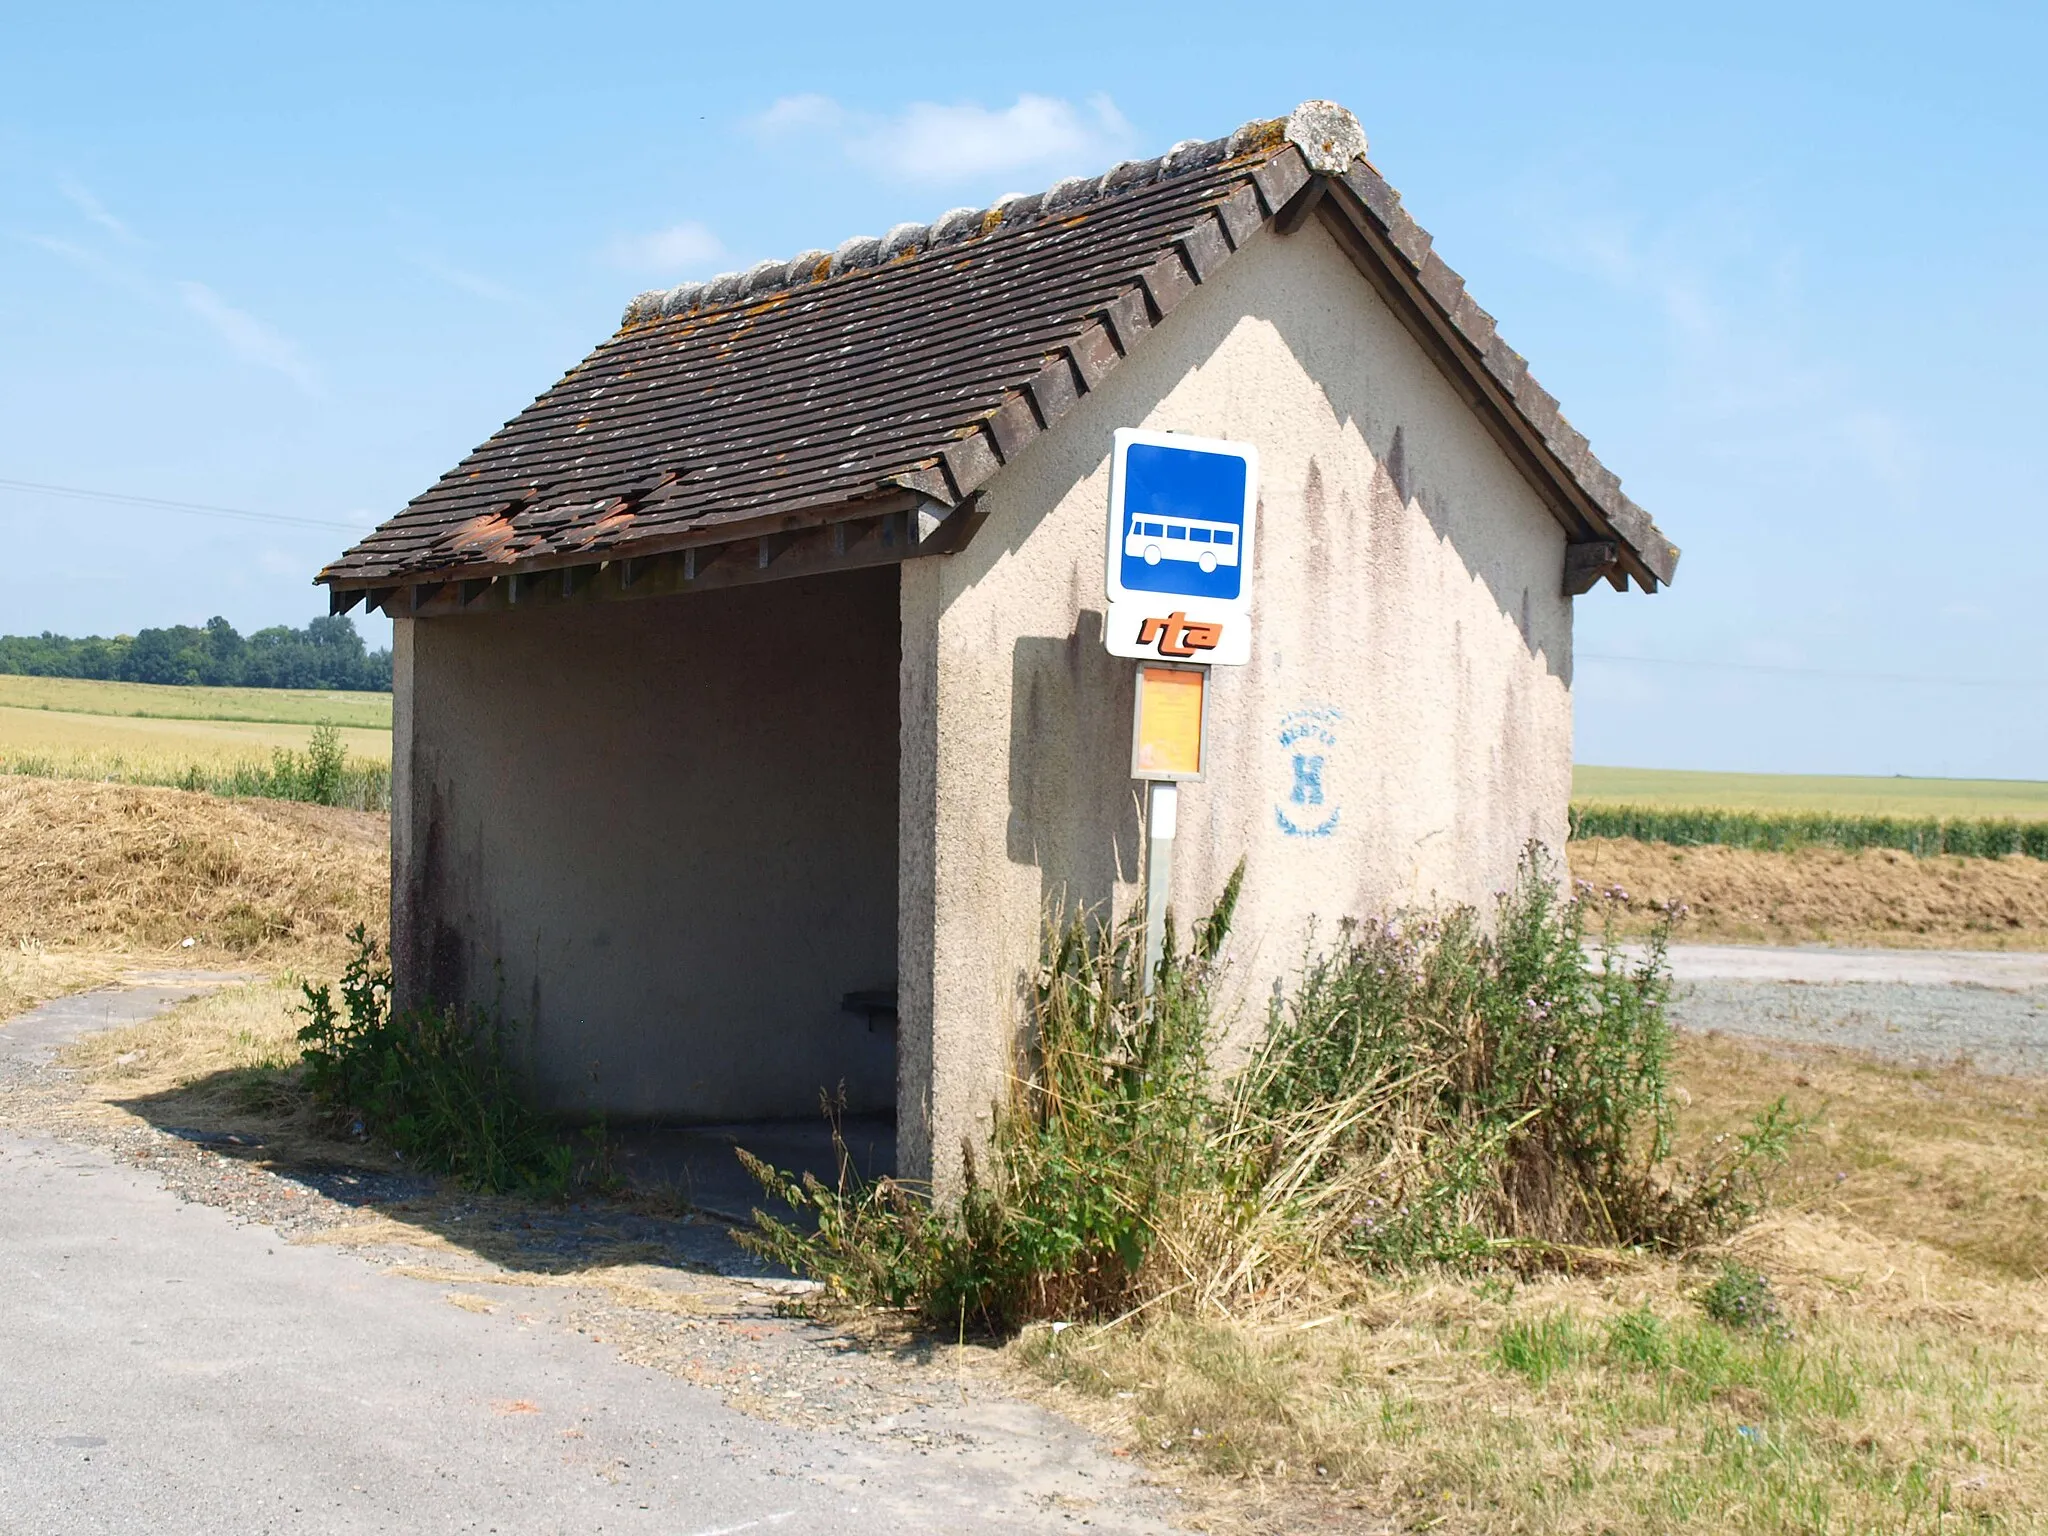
<point x="1169" y="722"/>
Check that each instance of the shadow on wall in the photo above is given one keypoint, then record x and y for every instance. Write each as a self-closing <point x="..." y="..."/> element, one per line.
<point x="1341" y="516"/>
<point x="1410" y="419"/>
<point x="1068" y="696"/>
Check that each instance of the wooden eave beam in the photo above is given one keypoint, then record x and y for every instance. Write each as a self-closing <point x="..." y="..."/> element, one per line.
<point x="1586" y="562"/>
<point x="848" y="543"/>
<point x="692" y="536"/>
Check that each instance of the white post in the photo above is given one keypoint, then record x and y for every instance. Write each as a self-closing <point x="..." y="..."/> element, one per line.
<point x="1162" y="801"/>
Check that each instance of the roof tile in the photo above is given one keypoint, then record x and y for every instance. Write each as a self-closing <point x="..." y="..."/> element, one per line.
<point x="918" y="360"/>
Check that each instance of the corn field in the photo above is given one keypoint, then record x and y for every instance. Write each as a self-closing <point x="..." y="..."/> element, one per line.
<point x="1972" y="837"/>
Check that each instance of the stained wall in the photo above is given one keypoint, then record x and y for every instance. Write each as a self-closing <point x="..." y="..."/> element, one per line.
<point x="659" y="837"/>
<point x="1403" y="730"/>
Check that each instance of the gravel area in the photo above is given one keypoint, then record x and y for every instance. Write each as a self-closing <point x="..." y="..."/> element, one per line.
<point x="1993" y="1029"/>
<point x="2008" y="970"/>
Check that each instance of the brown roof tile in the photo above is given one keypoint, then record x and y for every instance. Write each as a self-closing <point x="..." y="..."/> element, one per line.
<point x="801" y="389"/>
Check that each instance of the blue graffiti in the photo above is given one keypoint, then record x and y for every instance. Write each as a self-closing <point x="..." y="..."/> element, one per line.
<point x="1311" y="728"/>
<point x="1308" y="779"/>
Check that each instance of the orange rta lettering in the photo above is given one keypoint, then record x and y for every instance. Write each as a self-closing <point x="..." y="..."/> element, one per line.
<point x="1175" y="636"/>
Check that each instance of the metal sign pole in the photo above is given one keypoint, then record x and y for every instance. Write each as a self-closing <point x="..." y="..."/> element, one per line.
<point x="1162" y="802"/>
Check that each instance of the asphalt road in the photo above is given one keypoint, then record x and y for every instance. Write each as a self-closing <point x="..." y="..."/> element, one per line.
<point x="165" y="1369"/>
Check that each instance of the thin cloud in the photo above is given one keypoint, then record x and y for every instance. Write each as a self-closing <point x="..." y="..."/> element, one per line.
<point x="793" y="114"/>
<point x="677" y="249"/>
<point x="109" y="272"/>
<point x="937" y="143"/>
<point x="81" y="198"/>
<point x="487" y="289"/>
<point x="1732" y="303"/>
<point x="247" y="337"/>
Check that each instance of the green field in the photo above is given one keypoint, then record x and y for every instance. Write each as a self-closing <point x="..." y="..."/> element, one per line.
<point x="1663" y="788"/>
<point x="272" y="706"/>
<point x="233" y="741"/>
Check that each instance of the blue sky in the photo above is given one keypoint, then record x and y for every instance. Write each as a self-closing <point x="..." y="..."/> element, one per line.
<point x="1785" y="265"/>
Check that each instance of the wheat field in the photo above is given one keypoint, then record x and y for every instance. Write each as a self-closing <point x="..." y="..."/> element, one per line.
<point x="1842" y="795"/>
<point x="277" y="706"/>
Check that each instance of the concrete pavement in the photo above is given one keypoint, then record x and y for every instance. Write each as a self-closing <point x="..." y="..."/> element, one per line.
<point x="167" y="1370"/>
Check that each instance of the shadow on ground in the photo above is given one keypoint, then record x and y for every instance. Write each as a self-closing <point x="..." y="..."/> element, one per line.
<point x="669" y="1195"/>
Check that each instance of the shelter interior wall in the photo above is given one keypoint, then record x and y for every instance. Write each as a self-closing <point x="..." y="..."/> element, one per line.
<point x="661" y="836"/>
<point x="1412" y="649"/>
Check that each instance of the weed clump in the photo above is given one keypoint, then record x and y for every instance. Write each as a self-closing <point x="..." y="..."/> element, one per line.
<point x="1741" y="1298"/>
<point x="1436" y="1089"/>
<point x="429" y="1083"/>
<point x="1105" y="1133"/>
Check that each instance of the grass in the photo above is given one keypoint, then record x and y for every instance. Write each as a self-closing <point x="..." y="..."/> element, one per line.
<point x="96" y="875"/>
<point x="287" y="775"/>
<point x="222" y="1060"/>
<point x="237" y="1061"/>
<point x="32" y="973"/>
<point x="1908" y="1257"/>
<point x="1907" y="1254"/>
<point x="227" y="1062"/>
<point x="1438" y="1085"/>
<point x="1904" y="1389"/>
<point x="276" y="706"/>
<point x="225" y="741"/>
<point x="336" y="767"/>
<point x="1835" y="795"/>
<point x="431" y="1083"/>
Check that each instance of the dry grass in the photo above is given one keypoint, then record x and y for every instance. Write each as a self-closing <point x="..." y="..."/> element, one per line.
<point x="1909" y="1248"/>
<point x="1945" y="1159"/>
<point x="196" y="1045"/>
<point x="94" y="877"/>
<point x="31" y="974"/>
<point x="225" y="1061"/>
<point x="1910" y="1254"/>
<point x="1875" y="897"/>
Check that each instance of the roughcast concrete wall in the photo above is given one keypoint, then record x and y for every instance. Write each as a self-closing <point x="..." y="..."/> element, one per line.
<point x="661" y="835"/>
<point x="1403" y="730"/>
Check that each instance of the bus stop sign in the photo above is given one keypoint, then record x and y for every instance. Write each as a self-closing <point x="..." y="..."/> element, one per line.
<point x="1182" y="515"/>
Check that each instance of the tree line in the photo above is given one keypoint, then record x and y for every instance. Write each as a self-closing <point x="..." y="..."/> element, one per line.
<point x="327" y="653"/>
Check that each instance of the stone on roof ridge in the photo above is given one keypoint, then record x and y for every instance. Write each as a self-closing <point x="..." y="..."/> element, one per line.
<point x="1327" y="135"/>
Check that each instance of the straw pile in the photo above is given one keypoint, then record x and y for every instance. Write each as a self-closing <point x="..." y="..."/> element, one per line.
<point x="131" y="871"/>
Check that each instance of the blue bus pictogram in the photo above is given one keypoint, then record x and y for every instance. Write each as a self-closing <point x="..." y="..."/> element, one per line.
<point x="1183" y="521"/>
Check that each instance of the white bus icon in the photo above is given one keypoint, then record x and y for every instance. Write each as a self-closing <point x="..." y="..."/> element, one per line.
<point x="1205" y="544"/>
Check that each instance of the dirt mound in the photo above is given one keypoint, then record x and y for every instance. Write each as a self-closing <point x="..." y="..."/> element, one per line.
<point x="1827" y="895"/>
<point x="117" y="867"/>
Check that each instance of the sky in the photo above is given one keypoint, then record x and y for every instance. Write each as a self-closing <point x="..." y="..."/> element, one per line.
<point x="1786" y="265"/>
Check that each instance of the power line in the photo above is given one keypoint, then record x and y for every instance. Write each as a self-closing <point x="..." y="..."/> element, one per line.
<point x="195" y="508"/>
<point x="1867" y="677"/>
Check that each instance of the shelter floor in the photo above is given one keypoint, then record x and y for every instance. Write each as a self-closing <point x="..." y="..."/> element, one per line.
<point x="697" y="1162"/>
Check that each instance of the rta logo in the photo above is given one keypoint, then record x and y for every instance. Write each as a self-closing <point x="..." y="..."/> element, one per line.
<point x="1175" y="636"/>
